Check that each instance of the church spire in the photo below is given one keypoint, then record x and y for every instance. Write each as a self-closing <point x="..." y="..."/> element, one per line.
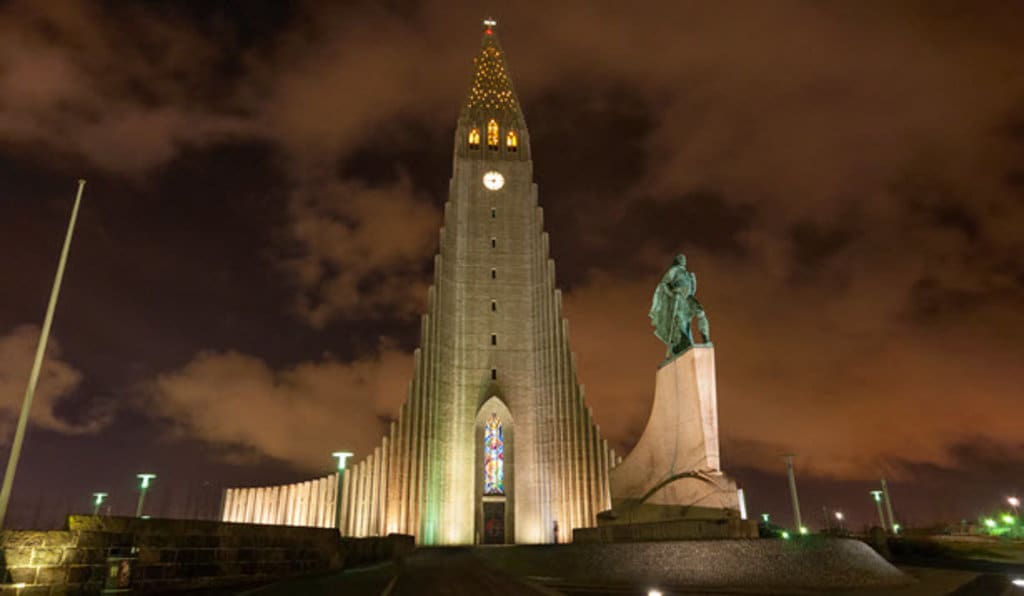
<point x="491" y="116"/>
<point x="491" y="93"/>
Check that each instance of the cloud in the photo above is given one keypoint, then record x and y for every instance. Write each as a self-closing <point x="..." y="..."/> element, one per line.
<point x="57" y="380"/>
<point x="72" y="82"/>
<point x="357" y="250"/>
<point x="298" y="414"/>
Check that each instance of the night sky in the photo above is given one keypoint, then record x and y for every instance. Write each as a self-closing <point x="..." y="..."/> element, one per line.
<point x="265" y="183"/>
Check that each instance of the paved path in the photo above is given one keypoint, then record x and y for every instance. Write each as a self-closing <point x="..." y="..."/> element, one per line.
<point x="457" y="572"/>
<point x="435" y="571"/>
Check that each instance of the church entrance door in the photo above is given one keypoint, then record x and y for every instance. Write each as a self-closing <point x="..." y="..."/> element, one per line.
<point x="494" y="522"/>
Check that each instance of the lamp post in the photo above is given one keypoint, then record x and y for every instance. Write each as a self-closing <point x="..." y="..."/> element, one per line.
<point x="37" y="364"/>
<point x="792" y="492"/>
<point x="877" y="494"/>
<point x="1014" y="502"/>
<point x="888" y="508"/>
<point x="839" y="520"/>
<point x="144" y="480"/>
<point x="97" y="502"/>
<point x="342" y="456"/>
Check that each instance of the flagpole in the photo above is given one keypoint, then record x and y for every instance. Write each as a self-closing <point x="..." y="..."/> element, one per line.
<point x="26" y="405"/>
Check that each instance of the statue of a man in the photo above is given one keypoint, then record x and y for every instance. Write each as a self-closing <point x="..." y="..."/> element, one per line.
<point x="673" y="308"/>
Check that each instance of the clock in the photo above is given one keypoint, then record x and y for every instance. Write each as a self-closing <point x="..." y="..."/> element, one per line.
<point x="494" y="180"/>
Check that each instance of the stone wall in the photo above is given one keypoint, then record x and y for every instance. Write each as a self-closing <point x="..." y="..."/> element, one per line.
<point x="169" y="555"/>
<point x="686" y="529"/>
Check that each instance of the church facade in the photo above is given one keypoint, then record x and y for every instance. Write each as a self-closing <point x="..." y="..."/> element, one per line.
<point x="494" y="443"/>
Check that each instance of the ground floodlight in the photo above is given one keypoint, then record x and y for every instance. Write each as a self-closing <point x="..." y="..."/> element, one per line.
<point x="1009" y="520"/>
<point x="764" y="516"/>
<point x="990" y="522"/>
<point x="785" y="535"/>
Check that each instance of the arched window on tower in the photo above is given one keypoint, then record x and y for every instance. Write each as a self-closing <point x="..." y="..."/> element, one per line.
<point x="474" y="138"/>
<point x="512" y="141"/>
<point x="492" y="135"/>
<point x="494" y="456"/>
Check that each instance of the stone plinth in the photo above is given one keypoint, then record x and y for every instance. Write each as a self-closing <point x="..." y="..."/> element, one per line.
<point x="674" y="469"/>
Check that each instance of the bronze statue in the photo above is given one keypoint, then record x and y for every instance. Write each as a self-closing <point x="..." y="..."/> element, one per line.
<point x="673" y="308"/>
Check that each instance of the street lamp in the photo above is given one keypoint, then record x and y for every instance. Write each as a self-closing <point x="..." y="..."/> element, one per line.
<point x="342" y="456"/>
<point x="1015" y="503"/>
<point x="143" y="486"/>
<point x="877" y="494"/>
<point x="839" y="519"/>
<point x="764" y="516"/>
<point x="99" y="501"/>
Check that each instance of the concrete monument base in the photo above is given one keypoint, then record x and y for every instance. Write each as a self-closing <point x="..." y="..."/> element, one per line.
<point x="673" y="474"/>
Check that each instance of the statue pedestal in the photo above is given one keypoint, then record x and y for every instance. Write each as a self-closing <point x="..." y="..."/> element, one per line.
<point x="673" y="473"/>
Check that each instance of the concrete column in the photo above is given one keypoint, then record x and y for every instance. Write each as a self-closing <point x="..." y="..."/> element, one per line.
<point x="225" y="511"/>
<point x="346" y="489"/>
<point x="403" y="475"/>
<point x="258" y="510"/>
<point x="250" y="505"/>
<point x="293" y="504"/>
<point x="391" y="515"/>
<point x="415" y="453"/>
<point x="313" y="509"/>
<point x="382" y="504"/>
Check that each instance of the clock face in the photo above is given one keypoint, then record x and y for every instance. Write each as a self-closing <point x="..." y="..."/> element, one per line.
<point x="494" y="180"/>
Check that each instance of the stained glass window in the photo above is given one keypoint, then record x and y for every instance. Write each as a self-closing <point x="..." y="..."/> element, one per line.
<point x="494" y="457"/>
<point x="474" y="138"/>
<point x="492" y="134"/>
<point x="511" y="140"/>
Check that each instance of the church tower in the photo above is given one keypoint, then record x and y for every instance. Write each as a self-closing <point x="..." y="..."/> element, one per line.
<point x="511" y="447"/>
<point x="494" y="443"/>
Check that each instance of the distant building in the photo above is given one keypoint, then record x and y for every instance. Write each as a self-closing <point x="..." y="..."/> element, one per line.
<point x="494" y="443"/>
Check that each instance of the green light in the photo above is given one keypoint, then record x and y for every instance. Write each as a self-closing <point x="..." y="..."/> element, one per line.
<point x="990" y="522"/>
<point x="99" y="498"/>
<point x="785" y="535"/>
<point x="145" y="478"/>
<point x="803" y="530"/>
<point x="877" y="494"/>
<point x="342" y="456"/>
<point x="764" y="516"/>
<point x="1009" y="520"/>
<point x="895" y="528"/>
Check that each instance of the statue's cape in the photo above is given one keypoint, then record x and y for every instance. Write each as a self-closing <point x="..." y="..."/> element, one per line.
<point x="660" y="314"/>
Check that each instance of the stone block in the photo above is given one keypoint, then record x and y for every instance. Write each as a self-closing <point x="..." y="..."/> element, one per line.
<point x="92" y="539"/>
<point x="17" y="556"/>
<point x="25" y="538"/>
<point x="80" y="574"/>
<point x="22" y="575"/>
<point x="52" y="575"/>
<point x="61" y="538"/>
<point x="47" y="555"/>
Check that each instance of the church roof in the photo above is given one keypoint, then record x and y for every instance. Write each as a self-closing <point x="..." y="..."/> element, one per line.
<point x="491" y="90"/>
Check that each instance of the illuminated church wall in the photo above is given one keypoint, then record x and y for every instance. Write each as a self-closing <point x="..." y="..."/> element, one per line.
<point x="493" y="339"/>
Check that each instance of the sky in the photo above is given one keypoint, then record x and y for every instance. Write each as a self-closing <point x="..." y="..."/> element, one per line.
<point x="265" y="183"/>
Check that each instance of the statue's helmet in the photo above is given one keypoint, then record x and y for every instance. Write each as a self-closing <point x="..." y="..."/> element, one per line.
<point x="680" y="259"/>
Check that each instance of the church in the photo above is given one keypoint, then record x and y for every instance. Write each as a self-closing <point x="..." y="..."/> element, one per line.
<point x="495" y="443"/>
